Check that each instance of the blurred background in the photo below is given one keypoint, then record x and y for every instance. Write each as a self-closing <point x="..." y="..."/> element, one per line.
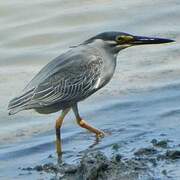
<point x="140" y="103"/>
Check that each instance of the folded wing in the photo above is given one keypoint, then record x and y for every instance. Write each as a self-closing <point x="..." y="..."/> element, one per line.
<point x="69" y="77"/>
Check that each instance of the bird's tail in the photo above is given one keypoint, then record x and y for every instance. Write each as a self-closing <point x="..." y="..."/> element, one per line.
<point x="20" y="103"/>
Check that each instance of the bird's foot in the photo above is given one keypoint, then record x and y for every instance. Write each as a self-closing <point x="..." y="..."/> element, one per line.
<point x="100" y="134"/>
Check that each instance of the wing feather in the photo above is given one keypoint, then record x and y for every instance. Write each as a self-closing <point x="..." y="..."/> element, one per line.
<point x="73" y="83"/>
<point x="71" y="76"/>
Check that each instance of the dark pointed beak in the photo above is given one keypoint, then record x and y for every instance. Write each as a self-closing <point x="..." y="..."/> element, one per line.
<point x="138" y="40"/>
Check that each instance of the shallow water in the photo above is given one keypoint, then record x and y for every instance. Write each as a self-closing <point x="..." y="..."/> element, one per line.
<point x="139" y="104"/>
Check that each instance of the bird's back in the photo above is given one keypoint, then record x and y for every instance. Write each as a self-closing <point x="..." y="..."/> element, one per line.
<point x="70" y="77"/>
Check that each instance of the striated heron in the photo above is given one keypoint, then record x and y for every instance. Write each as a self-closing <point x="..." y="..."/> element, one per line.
<point x="74" y="76"/>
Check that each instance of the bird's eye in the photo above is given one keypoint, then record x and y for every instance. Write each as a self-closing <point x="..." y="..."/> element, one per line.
<point x="120" y="38"/>
<point x="124" y="39"/>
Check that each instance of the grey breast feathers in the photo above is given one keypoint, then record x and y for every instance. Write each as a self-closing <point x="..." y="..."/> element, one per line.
<point x="69" y="77"/>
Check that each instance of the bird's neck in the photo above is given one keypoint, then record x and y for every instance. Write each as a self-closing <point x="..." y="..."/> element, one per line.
<point x="103" y="46"/>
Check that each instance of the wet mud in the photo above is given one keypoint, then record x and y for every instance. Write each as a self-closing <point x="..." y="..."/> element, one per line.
<point x="148" y="163"/>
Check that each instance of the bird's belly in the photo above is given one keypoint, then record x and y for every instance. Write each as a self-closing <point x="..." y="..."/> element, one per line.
<point x="48" y="109"/>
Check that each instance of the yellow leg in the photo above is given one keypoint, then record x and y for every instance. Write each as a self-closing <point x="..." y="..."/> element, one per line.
<point x="92" y="129"/>
<point x="59" y="122"/>
<point x="84" y="124"/>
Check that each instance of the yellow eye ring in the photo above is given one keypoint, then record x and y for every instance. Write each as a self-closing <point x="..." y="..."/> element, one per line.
<point x="124" y="39"/>
<point x="120" y="38"/>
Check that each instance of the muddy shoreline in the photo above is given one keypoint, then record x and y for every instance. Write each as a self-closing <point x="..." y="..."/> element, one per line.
<point x="147" y="163"/>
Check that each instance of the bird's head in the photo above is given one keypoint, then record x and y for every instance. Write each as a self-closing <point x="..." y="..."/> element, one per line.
<point x="119" y="40"/>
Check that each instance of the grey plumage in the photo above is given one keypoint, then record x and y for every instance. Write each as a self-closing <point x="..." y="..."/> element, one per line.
<point x="76" y="74"/>
<point x="69" y="78"/>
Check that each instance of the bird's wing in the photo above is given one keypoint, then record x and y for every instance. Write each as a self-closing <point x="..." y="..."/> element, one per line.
<point x="77" y="78"/>
<point x="51" y="68"/>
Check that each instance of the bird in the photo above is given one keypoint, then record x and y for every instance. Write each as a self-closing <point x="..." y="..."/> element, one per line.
<point x="74" y="76"/>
